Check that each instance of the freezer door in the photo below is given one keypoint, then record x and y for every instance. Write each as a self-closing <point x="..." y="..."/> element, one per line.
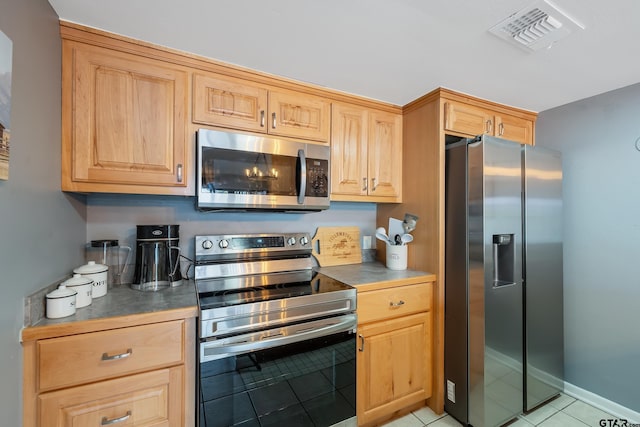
<point x="544" y="348"/>
<point x="495" y="281"/>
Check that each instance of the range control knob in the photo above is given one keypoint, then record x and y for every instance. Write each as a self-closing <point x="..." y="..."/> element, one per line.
<point x="207" y="244"/>
<point x="291" y="241"/>
<point x="304" y="240"/>
<point x="224" y="243"/>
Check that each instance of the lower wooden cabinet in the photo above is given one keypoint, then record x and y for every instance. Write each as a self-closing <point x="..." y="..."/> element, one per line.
<point x="394" y="362"/>
<point x="394" y="356"/>
<point x="132" y="374"/>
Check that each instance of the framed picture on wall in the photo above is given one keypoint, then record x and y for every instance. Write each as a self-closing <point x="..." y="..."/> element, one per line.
<point x="6" y="49"/>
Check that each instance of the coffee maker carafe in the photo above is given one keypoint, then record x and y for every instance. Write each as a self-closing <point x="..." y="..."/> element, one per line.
<point x="157" y="258"/>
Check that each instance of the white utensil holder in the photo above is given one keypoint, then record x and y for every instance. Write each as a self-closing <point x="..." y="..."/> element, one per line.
<point x="397" y="257"/>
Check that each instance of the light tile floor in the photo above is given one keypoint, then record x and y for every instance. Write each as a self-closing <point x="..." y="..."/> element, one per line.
<point x="565" y="411"/>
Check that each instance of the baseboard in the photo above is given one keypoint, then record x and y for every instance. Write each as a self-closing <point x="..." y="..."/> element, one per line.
<point x="601" y="403"/>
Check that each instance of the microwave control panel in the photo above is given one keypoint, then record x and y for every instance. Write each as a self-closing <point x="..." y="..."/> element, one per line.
<point x="317" y="178"/>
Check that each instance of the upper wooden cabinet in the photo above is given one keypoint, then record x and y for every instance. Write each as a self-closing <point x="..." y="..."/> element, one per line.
<point x="465" y="119"/>
<point x="366" y="154"/>
<point x="241" y="104"/>
<point x="123" y="122"/>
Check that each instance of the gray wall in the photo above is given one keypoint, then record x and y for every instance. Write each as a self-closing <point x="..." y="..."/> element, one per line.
<point x="116" y="217"/>
<point x="40" y="227"/>
<point x="597" y="137"/>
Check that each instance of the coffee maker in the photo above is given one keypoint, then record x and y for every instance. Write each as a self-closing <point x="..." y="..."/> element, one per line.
<point x="157" y="258"/>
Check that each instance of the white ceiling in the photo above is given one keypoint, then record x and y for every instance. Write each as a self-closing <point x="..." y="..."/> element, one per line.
<point x="390" y="50"/>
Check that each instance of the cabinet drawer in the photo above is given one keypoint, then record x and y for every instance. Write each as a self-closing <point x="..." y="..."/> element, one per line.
<point x="83" y="358"/>
<point x="394" y="302"/>
<point x="149" y="399"/>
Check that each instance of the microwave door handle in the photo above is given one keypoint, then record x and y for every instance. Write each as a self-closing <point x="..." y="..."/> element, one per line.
<point x="303" y="177"/>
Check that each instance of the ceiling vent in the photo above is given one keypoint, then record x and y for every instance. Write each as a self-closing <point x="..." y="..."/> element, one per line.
<point x="538" y="26"/>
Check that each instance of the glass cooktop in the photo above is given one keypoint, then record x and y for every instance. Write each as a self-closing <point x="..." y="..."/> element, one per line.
<point x="247" y="291"/>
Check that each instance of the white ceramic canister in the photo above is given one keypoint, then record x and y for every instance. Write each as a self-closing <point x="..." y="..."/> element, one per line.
<point x="97" y="273"/>
<point x="61" y="302"/>
<point x="396" y="257"/>
<point x="83" y="285"/>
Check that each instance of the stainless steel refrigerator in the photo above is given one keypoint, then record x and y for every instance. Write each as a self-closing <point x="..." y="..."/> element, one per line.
<point x="503" y="279"/>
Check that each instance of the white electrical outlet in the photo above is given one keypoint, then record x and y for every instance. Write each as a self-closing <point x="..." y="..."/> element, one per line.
<point x="366" y="242"/>
<point x="451" y="391"/>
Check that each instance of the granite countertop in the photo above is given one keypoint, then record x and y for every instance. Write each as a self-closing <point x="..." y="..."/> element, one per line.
<point x="122" y="302"/>
<point x="369" y="275"/>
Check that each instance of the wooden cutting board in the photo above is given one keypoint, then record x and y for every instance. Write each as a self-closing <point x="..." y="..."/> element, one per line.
<point x="337" y="246"/>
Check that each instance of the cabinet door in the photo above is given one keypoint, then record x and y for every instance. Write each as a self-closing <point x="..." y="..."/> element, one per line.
<point x="150" y="399"/>
<point x="393" y="366"/>
<point x="385" y="154"/>
<point x="228" y="102"/>
<point x="466" y="119"/>
<point x="514" y="128"/>
<point x="127" y="121"/>
<point x="349" y="150"/>
<point x="298" y="115"/>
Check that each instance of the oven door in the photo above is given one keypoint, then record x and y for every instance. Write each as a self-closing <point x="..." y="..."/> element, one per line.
<point x="298" y="375"/>
<point x="237" y="171"/>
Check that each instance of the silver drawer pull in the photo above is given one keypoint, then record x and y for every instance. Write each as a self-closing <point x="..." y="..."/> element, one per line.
<point x="107" y="422"/>
<point x="396" y="304"/>
<point x="129" y="352"/>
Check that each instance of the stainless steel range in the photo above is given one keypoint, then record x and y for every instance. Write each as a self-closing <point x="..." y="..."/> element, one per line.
<point x="277" y="340"/>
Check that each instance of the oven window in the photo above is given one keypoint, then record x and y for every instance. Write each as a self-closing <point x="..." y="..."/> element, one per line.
<point x="243" y="172"/>
<point x="309" y="383"/>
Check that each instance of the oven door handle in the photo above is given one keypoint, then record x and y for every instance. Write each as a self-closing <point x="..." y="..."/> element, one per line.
<point x="216" y="349"/>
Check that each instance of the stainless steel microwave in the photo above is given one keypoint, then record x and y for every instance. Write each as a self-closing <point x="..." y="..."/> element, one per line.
<point x="248" y="172"/>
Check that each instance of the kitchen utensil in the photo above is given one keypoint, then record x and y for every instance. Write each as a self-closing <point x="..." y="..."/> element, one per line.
<point x="157" y="258"/>
<point x="97" y="273"/>
<point x="406" y="238"/>
<point x="110" y="253"/>
<point x="337" y="246"/>
<point x="409" y="223"/>
<point x="381" y="234"/>
<point x="83" y="286"/>
<point x="395" y="227"/>
<point x="61" y="302"/>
